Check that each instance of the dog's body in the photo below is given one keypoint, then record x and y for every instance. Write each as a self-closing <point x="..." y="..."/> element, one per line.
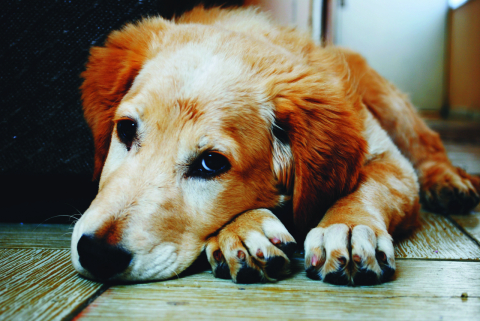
<point x="204" y="125"/>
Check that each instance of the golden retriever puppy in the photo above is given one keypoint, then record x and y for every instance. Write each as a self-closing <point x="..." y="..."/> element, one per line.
<point x="208" y="125"/>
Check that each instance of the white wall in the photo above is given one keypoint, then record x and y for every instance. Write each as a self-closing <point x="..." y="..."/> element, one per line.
<point x="404" y="40"/>
<point x="287" y="12"/>
<point x="465" y="60"/>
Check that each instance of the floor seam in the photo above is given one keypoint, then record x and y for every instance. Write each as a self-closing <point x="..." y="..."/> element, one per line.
<point x="462" y="229"/>
<point x="77" y="311"/>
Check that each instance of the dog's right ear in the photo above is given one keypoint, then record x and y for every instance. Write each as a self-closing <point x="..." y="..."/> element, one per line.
<point x="318" y="146"/>
<point x="109" y="74"/>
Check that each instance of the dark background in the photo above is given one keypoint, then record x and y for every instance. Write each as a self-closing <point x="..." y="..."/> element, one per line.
<point x="46" y="148"/>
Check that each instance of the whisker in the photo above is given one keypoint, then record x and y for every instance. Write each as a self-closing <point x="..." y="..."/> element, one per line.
<point x="73" y="217"/>
<point x="172" y="270"/>
<point x="79" y="213"/>
<point x="64" y="234"/>
<point x="63" y="215"/>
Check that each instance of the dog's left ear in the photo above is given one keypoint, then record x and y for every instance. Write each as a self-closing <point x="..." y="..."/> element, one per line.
<point x="109" y="75"/>
<point x="321" y="124"/>
<point x="110" y="72"/>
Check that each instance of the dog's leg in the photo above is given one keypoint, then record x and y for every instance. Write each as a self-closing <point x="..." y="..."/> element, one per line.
<point x="444" y="188"/>
<point x="255" y="247"/>
<point x="353" y="243"/>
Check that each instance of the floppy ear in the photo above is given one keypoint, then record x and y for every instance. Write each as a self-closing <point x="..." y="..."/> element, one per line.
<point x="109" y="74"/>
<point x="324" y="131"/>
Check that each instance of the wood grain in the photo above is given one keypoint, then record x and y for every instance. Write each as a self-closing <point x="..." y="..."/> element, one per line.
<point x="41" y="284"/>
<point x="470" y="223"/>
<point x="421" y="291"/>
<point x="437" y="238"/>
<point x="54" y="236"/>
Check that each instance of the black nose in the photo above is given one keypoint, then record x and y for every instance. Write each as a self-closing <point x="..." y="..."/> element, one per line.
<point x="101" y="259"/>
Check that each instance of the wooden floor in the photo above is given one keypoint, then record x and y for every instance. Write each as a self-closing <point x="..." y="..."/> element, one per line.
<point x="437" y="278"/>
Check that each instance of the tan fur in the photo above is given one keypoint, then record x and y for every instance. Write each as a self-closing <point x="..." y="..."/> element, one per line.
<point x="297" y="123"/>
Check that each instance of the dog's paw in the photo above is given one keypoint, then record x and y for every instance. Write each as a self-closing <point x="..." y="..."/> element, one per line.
<point x="341" y="255"/>
<point x="448" y="190"/>
<point x="255" y="247"/>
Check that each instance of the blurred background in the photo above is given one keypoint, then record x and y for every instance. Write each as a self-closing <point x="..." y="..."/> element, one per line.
<point x="430" y="49"/>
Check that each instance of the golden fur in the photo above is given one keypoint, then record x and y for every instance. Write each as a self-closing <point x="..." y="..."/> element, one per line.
<point x="314" y="132"/>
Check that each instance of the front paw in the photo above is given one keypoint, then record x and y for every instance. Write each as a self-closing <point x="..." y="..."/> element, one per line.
<point x="255" y="247"/>
<point x="369" y="261"/>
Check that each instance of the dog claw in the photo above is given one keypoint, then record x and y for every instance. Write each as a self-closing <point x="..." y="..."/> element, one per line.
<point x="260" y="254"/>
<point x="218" y="255"/>
<point x="381" y="256"/>
<point x="342" y="260"/>
<point x="241" y="255"/>
<point x="275" y="241"/>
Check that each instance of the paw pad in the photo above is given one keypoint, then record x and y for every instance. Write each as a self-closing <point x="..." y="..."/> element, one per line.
<point x="387" y="273"/>
<point x="337" y="278"/>
<point x="247" y="275"/>
<point x="365" y="277"/>
<point x="274" y="266"/>
<point x="222" y="271"/>
<point x="312" y="273"/>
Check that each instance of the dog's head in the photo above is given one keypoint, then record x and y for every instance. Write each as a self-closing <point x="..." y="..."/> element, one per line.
<point x="194" y="125"/>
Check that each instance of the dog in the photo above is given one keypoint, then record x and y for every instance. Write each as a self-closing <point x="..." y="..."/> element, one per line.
<point x="221" y="132"/>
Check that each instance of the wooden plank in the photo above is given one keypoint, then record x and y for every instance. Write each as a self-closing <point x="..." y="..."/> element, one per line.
<point x="422" y="290"/>
<point x="437" y="238"/>
<point x="470" y="223"/>
<point x="41" y="284"/>
<point x="55" y="236"/>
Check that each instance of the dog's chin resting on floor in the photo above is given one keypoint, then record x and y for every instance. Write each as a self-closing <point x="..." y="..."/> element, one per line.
<point x="206" y="125"/>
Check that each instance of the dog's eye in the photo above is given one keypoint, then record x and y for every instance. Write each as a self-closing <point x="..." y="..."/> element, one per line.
<point x="209" y="165"/>
<point x="126" y="131"/>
